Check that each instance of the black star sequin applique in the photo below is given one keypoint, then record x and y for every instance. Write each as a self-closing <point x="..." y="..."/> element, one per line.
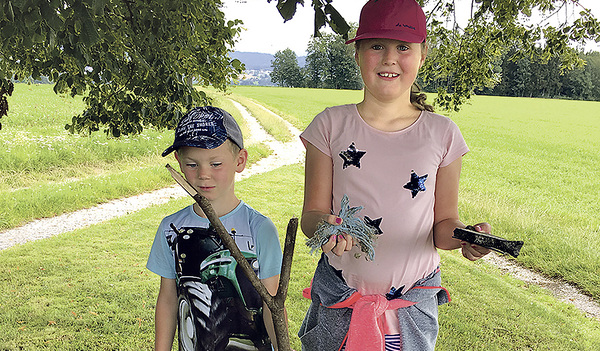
<point x="352" y="156"/>
<point x="375" y="223"/>
<point x="416" y="183"/>
<point x="394" y="293"/>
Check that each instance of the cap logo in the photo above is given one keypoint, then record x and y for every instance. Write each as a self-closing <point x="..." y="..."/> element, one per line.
<point x="405" y="26"/>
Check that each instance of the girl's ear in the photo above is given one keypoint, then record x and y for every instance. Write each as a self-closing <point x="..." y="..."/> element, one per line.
<point x="424" y="49"/>
<point x="356" y="48"/>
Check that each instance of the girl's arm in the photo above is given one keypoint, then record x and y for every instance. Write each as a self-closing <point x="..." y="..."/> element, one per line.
<point x="165" y="315"/>
<point x="446" y="217"/>
<point x="318" y="190"/>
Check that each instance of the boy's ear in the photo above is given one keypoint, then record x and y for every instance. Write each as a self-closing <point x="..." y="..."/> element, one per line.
<point x="241" y="159"/>
<point x="176" y="153"/>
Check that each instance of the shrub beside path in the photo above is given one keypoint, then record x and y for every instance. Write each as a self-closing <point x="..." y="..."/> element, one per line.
<point x="283" y="154"/>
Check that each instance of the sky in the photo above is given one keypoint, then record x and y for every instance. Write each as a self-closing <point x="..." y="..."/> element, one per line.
<point x="266" y="32"/>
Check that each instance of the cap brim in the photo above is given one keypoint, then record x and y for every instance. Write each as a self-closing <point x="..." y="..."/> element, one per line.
<point x="168" y="150"/>
<point x="390" y="34"/>
<point x="205" y="143"/>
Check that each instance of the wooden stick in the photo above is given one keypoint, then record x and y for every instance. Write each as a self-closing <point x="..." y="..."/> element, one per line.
<point x="275" y="303"/>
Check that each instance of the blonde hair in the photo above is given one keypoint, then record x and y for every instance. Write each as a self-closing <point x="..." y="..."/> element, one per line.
<point x="417" y="97"/>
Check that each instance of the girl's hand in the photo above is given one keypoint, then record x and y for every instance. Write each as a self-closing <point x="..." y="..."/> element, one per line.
<point x="338" y="244"/>
<point x="474" y="252"/>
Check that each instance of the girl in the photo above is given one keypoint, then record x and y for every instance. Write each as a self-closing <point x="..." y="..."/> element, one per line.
<point x="392" y="155"/>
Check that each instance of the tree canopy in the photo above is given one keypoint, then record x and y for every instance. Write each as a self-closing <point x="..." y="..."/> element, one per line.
<point x="286" y="71"/>
<point x="330" y="64"/>
<point x="464" y="57"/>
<point x="134" y="61"/>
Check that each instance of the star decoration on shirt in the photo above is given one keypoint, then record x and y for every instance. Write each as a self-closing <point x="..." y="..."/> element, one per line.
<point x="394" y="293"/>
<point x="352" y="156"/>
<point x="375" y="223"/>
<point x="416" y="183"/>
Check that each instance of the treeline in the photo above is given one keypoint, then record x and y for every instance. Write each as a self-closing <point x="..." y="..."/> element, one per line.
<point x="330" y="64"/>
<point x="525" y="77"/>
<point x="522" y="76"/>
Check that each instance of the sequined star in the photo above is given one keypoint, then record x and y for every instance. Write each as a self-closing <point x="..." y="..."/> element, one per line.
<point x="375" y="223"/>
<point x="416" y="183"/>
<point x="394" y="293"/>
<point x="352" y="156"/>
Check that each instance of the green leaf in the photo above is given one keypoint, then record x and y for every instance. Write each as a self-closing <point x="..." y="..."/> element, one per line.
<point x="10" y="14"/>
<point x="320" y="21"/>
<point x="98" y="7"/>
<point x="89" y="33"/>
<point x="287" y="8"/>
<point x="337" y="22"/>
<point x="8" y="31"/>
<point x="50" y="16"/>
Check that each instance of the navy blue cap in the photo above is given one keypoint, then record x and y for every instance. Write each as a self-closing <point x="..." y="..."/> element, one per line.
<point x="206" y="127"/>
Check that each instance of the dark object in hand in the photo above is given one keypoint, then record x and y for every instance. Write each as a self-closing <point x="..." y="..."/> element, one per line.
<point x="488" y="241"/>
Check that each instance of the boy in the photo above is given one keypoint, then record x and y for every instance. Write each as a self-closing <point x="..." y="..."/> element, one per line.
<point x="201" y="291"/>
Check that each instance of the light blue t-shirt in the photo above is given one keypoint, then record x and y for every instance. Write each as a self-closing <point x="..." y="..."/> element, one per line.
<point x="252" y="231"/>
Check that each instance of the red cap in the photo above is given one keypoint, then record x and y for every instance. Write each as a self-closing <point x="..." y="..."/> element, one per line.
<point x="392" y="19"/>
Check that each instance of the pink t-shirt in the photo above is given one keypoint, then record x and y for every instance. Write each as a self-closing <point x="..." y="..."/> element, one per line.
<point x="392" y="175"/>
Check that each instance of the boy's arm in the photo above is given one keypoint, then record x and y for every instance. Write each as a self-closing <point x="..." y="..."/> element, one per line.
<point x="165" y="315"/>
<point x="446" y="213"/>
<point x="271" y="284"/>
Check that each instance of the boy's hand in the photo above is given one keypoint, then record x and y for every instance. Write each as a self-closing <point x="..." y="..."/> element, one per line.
<point x="474" y="252"/>
<point x="338" y="244"/>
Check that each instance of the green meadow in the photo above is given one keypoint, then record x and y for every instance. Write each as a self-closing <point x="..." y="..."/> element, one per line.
<point x="45" y="171"/>
<point x="531" y="173"/>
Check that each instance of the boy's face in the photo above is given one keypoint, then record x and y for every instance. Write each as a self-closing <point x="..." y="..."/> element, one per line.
<point x="389" y="67"/>
<point x="212" y="171"/>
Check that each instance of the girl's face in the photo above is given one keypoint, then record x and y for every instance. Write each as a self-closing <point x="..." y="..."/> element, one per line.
<point x="389" y="67"/>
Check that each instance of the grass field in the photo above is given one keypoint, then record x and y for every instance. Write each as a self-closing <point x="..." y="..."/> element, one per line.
<point x="531" y="173"/>
<point x="45" y="171"/>
<point x="89" y="290"/>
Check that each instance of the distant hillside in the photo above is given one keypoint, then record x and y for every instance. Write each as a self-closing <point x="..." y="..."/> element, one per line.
<point x="258" y="61"/>
<point x="254" y="60"/>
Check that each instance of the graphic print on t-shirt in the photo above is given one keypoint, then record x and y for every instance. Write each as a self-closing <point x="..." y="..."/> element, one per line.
<point x="416" y="183"/>
<point x="351" y="156"/>
<point x="218" y="308"/>
<point x="375" y="223"/>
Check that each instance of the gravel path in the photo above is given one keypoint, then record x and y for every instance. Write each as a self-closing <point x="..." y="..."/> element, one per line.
<point x="283" y="154"/>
